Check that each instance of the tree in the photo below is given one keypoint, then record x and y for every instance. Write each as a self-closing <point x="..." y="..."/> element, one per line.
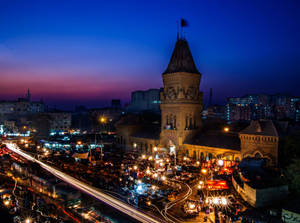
<point x="292" y="173"/>
<point x="289" y="149"/>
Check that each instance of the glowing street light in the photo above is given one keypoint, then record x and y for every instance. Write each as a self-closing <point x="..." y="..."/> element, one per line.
<point x="226" y="129"/>
<point x="220" y="162"/>
<point x="148" y="171"/>
<point x="215" y="200"/>
<point x="192" y="205"/>
<point x="79" y="142"/>
<point x="6" y="202"/>
<point x="204" y="171"/>
<point x="224" y="201"/>
<point x="163" y="178"/>
<point x="143" y="156"/>
<point x="102" y="119"/>
<point x="155" y="149"/>
<point x="28" y="220"/>
<point x="150" y="158"/>
<point x="135" y="167"/>
<point x="134" y="145"/>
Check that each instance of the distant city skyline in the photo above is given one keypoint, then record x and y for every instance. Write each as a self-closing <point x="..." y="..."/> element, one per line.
<point x="89" y="53"/>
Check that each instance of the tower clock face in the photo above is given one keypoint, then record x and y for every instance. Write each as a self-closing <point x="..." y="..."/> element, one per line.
<point x="171" y="93"/>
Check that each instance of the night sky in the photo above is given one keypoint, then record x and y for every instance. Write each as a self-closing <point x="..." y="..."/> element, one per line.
<point x="89" y="52"/>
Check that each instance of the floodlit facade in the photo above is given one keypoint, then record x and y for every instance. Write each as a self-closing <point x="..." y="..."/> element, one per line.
<point x="181" y="129"/>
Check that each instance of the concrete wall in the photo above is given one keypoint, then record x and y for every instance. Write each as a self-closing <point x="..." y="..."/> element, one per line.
<point x="260" y="197"/>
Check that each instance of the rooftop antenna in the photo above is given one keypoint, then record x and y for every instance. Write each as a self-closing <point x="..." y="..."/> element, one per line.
<point x="210" y="97"/>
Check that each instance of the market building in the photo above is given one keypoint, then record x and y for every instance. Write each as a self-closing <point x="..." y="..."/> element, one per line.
<point x="180" y="129"/>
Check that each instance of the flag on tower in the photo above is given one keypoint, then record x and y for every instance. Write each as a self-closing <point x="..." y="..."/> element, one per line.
<point x="183" y="23"/>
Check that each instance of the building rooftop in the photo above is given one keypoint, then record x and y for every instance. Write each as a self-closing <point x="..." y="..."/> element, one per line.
<point x="226" y="141"/>
<point x="182" y="59"/>
<point x="262" y="127"/>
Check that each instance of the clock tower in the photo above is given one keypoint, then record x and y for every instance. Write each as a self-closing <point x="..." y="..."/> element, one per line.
<point x="181" y="99"/>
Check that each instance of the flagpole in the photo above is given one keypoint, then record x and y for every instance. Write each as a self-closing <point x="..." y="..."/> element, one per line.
<point x="181" y="25"/>
<point x="177" y="30"/>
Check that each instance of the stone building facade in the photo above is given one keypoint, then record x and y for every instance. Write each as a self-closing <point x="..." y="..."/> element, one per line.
<point x="260" y="139"/>
<point x="181" y="99"/>
<point x="181" y="128"/>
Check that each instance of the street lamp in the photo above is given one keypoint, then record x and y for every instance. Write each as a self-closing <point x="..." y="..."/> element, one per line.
<point x="6" y="202"/>
<point x="204" y="171"/>
<point x="224" y="201"/>
<point x="220" y="162"/>
<point x="102" y="119"/>
<point x="226" y="129"/>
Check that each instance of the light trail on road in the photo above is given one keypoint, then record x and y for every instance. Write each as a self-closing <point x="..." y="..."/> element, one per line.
<point x="113" y="202"/>
<point x="169" y="205"/>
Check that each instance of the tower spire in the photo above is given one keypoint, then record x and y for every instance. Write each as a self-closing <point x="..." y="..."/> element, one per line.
<point x="210" y="96"/>
<point x="181" y="59"/>
<point x="28" y="95"/>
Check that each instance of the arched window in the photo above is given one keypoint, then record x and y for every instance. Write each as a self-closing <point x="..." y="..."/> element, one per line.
<point x="186" y="121"/>
<point x="257" y="156"/>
